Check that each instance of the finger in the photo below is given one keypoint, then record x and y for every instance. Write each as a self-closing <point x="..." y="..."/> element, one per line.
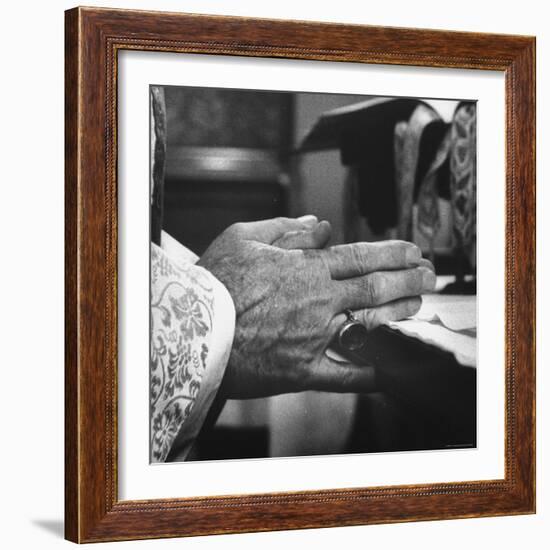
<point x="424" y="262"/>
<point x="376" y="316"/>
<point x="268" y="231"/>
<point x="352" y="260"/>
<point x="331" y="376"/>
<point x="317" y="237"/>
<point x="309" y="220"/>
<point x="382" y="287"/>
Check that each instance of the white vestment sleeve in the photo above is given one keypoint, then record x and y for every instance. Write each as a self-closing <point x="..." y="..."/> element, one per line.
<point x="192" y="328"/>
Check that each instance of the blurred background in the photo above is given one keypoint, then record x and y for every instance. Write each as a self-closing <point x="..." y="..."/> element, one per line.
<point x="376" y="168"/>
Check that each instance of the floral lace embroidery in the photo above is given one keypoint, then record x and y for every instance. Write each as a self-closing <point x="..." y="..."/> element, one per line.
<point x="181" y="325"/>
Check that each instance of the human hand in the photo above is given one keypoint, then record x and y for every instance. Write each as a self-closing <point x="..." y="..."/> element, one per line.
<point x="290" y="302"/>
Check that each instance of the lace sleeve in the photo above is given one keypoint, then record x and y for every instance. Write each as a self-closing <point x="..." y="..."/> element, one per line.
<point x="189" y="348"/>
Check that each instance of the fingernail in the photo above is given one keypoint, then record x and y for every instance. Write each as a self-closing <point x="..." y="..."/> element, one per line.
<point x="413" y="255"/>
<point x="309" y="220"/>
<point x="428" y="279"/>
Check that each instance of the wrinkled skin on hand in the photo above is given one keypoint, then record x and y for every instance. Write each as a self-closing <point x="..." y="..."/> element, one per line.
<point x="290" y="302"/>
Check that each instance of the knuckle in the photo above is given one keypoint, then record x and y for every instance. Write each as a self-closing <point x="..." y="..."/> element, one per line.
<point x="375" y="284"/>
<point x="322" y="263"/>
<point x="418" y="280"/>
<point x="357" y="258"/>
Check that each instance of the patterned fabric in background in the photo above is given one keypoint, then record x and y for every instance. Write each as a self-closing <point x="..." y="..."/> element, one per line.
<point x="463" y="179"/>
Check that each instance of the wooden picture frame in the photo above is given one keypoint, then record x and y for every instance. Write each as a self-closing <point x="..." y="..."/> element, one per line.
<point x="93" y="511"/>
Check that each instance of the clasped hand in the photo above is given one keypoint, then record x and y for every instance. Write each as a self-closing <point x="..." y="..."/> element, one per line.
<point x="290" y="294"/>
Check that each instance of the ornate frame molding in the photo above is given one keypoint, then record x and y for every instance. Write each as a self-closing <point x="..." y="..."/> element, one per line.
<point x="93" y="38"/>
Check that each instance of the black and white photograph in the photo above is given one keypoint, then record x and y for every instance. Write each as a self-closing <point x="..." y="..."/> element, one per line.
<point x="313" y="274"/>
<point x="274" y="275"/>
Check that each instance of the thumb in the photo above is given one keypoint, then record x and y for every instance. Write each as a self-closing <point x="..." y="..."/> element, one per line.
<point x="317" y="237"/>
<point x="333" y="376"/>
<point x="268" y="231"/>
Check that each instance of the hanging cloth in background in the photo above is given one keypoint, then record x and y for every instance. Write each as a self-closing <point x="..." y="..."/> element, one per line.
<point x="430" y="184"/>
<point x="407" y="142"/>
<point x="366" y="137"/>
<point x="463" y="179"/>
<point x="389" y="145"/>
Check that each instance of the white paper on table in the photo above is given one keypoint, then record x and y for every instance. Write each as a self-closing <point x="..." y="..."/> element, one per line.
<point x="453" y="311"/>
<point x="448" y="322"/>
